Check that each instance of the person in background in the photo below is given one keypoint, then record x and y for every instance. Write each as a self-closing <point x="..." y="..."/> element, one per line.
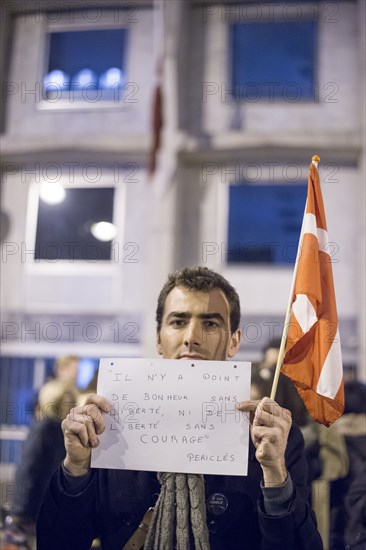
<point x="66" y="369"/>
<point x="287" y="395"/>
<point x="347" y="493"/>
<point x="43" y="452"/>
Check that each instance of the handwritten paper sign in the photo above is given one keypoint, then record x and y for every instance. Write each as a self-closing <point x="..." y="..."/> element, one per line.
<point x="174" y="416"/>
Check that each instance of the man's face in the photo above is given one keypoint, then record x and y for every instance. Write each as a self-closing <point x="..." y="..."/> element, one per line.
<point x="196" y="325"/>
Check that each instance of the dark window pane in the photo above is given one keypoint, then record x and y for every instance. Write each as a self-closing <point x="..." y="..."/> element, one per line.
<point x="265" y="223"/>
<point x="274" y="60"/>
<point x="64" y="229"/>
<point x="18" y="397"/>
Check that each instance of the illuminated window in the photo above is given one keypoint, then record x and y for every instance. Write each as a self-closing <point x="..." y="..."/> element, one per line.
<point x="86" y="65"/>
<point x="79" y="227"/>
<point x="273" y="60"/>
<point x="265" y="223"/>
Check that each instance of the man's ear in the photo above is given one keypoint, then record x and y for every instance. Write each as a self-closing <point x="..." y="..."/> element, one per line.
<point x="234" y="344"/>
<point x="158" y="344"/>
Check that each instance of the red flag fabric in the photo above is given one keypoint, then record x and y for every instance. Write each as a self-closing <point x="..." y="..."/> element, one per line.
<point x="313" y="358"/>
<point x="157" y="124"/>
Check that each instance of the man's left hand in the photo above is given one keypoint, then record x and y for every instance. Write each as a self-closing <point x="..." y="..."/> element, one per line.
<point x="270" y="426"/>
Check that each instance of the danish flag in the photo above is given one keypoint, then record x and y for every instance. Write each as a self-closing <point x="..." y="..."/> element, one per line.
<point x="313" y="357"/>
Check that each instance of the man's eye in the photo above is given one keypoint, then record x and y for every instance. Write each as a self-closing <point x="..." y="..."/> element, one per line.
<point x="177" y="323"/>
<point x="210" y="325"/>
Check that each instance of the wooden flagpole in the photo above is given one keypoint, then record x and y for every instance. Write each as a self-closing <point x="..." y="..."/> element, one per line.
<point x="315" y="160"/>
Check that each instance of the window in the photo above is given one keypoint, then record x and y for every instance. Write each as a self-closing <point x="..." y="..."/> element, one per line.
<point x="85" y="66"/>
<point x="18" y="396"/>
<point x="273" y="60"/>
<point x="74" y="223"/>
<point x="87" y="371"/>
<point x="265" y="223"/>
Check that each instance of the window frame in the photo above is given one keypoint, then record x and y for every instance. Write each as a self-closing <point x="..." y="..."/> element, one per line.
<point x="274" y="264"/>
<point x="75" y="267"/>
<point x="271" y="97"/>
<point x="64" y="104"/>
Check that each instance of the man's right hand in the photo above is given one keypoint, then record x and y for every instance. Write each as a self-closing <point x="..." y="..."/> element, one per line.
<point x="81" y="428"/>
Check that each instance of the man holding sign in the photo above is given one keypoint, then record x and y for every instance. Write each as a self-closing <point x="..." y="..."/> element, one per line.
<point x="198" y="317"/>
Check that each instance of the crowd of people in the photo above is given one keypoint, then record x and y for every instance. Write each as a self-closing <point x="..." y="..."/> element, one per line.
<point x="336" y="456"/>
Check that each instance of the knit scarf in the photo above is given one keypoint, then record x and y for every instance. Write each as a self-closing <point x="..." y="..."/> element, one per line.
<point x="181" y="504"/>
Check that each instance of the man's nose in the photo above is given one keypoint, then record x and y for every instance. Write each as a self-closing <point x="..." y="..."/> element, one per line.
<point x="193" y="334"/>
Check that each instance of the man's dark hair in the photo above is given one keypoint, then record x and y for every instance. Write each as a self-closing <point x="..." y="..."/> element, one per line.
<point x="200" y="279"/>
